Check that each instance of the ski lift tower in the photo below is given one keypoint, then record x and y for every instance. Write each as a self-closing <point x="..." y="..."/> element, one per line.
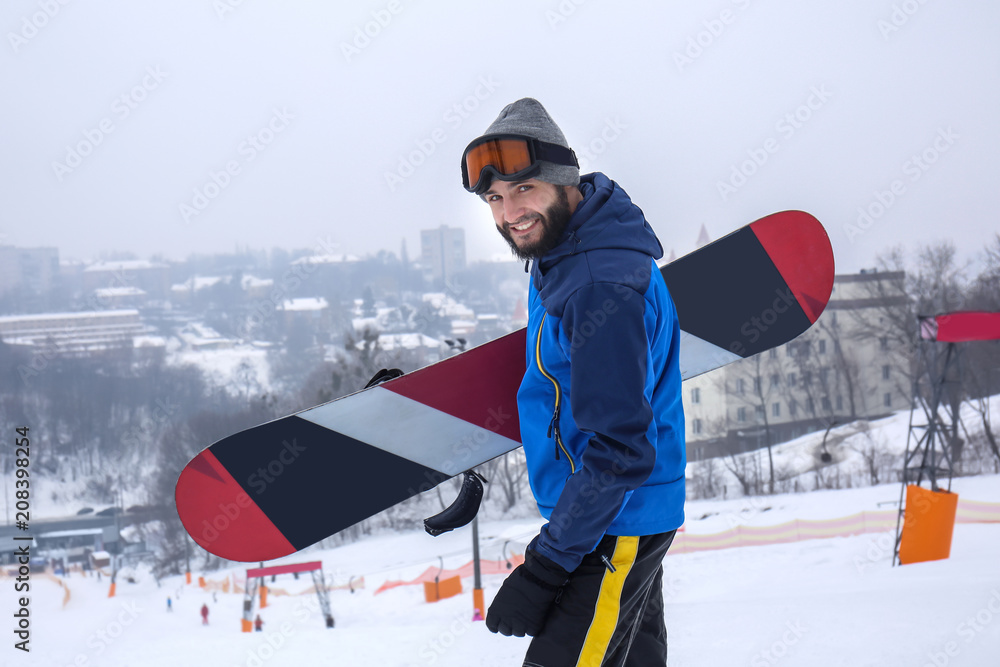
<point x="256" y="575"/>
<point x="926" y="520"/>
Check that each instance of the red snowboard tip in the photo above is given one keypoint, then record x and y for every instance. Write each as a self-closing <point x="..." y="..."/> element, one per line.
<point x="221" y="517"/>
<point x="803" y="256"/>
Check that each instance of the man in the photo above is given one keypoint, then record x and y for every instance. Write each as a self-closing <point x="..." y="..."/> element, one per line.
<point x="599" y="406"/>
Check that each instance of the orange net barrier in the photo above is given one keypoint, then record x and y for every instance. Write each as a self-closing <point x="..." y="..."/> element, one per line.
<point x="969" y="511"/>
<point x="62" y="584"/>
<point x="973" y="511"/>
<point x="804" y="529"/>
<point x="485" y="567"/>
<point x="231" y="585"/>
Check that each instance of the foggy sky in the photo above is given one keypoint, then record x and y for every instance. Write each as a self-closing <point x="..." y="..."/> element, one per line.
<point x="200" y="126"/>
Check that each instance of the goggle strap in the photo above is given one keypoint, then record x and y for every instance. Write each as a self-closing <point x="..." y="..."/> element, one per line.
<point x="555" y="153"/>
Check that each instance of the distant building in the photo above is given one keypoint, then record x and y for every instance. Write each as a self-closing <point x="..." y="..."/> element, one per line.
<point x="80" y="334"/>
<point x="185" y="293"/>
<point x="120" y="297"/>
<point x="197" y="336"/>
<point x="151" y="277"/>
<point x="310" y="314"/>
<point x="332" y="273"/>
<point x="840" y="370"/>
<point x="32" y="271"/>
<point x="69" y="540"/>
<point x="442" y="252"/>
<point x="256" y="288"/>
<point x="335" y="260"/>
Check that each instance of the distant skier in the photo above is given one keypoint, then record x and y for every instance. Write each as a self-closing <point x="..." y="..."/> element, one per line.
<point x="170" y="604"/>
<point x="258" y="624"/>
<point x="204" y="614"/>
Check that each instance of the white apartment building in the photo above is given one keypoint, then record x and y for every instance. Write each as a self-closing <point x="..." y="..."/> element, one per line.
<point x="848" y="366"/>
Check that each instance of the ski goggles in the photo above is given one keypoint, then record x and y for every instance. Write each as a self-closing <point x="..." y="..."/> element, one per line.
<point x="508" y="157"/>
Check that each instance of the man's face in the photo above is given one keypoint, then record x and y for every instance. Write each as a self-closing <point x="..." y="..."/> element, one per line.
<point x="530" y="215"/>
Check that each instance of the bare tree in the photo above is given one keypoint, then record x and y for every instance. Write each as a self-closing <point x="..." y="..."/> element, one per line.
<point x="740" y="467"/>
<point x="873" y="452"/>
<point x="509" y="473"/>
<point x="755" y="385"/>
<point x="706" y="478"/>
<point x="934" y="284"/>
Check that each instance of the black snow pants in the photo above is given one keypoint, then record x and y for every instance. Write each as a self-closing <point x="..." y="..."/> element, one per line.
<point x="606" y="618"/>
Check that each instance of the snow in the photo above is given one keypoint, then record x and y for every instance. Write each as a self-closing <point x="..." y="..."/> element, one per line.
<point x="405" y="341"/>
<point x="197" y="283"/>
<point x="75" y="315"/>
<point x="224" y="368"/>
<point x="249" y="282"/>
<point x="304" y="304"/>
<point x="149" y="341"/>
<point x="121" y="266"/>
<point x="111" y="292"/>
<point x="821" y="603"/>
<point x="224" y="362"/>
<point x="796" y="461"/>
<point x="328" y="259"/>
<point x="447" y="306"/>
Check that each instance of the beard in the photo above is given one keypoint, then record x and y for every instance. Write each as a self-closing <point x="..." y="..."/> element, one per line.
<point x="553" y="221"/>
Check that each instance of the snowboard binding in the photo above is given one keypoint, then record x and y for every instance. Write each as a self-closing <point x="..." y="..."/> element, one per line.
<point x="470" y="496"/>
<point x="463" y="510"/>
<point x="383" y="375"/>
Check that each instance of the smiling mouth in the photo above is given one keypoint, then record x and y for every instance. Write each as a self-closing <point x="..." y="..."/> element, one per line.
<point x="523" y="227"/>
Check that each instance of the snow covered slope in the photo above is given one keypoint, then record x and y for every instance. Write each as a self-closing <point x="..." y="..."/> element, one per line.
<point x="819" y="603"/>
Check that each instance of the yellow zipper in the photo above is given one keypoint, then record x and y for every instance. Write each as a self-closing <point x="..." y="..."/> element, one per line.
<point x="554" y="423"/>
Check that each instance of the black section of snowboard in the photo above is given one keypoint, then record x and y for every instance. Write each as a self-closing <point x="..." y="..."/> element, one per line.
<point x="300" y="473"/>
<point x="751" y="310"/>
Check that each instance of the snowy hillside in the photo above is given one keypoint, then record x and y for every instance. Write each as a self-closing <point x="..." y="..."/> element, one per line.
<point x="858" y="451"/>
<point x="819" y="603"/>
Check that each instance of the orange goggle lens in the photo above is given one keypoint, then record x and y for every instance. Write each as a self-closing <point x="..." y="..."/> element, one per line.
<point x="506" y="156"/>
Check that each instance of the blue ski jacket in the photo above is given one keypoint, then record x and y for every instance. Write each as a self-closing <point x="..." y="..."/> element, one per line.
<point x="600" y="404"/>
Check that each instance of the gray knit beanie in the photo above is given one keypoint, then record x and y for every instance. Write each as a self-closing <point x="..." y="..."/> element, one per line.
<point x="529" y="118"/>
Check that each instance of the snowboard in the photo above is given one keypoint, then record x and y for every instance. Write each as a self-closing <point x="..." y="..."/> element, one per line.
<point x="277" y="488"/>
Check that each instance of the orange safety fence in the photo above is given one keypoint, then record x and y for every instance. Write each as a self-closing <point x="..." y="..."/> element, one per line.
<point x="230" y="584"/>
<point x="973" y="511"/>
<point x="60" y="582"/>
<point x="485" y="567"/>
<point x="355" y="584"/>
<point x="804" y="529"/>
<point x="220" y="586"/>
<point x="10" y="574"/>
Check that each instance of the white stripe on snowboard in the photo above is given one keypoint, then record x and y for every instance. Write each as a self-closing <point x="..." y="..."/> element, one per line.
<point x="699" y="356"/>
<point x="411" y="430"/>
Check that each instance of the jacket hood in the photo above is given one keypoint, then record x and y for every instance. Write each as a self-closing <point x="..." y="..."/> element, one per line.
<point x="605" y="219"/>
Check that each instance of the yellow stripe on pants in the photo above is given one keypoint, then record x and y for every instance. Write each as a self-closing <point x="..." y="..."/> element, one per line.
<point x="595" y="646"/>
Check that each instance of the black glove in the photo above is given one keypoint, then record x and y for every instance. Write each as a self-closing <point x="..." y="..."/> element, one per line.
<point x="524" y="599"/>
